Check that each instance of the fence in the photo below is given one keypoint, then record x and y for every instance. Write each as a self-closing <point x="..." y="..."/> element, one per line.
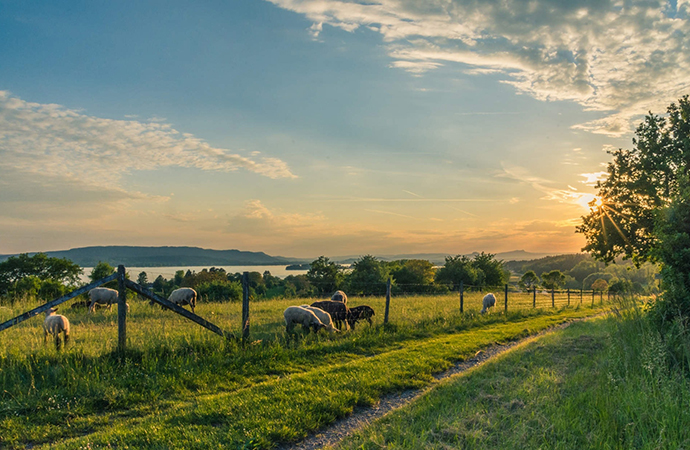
<point x="395" y="305"/>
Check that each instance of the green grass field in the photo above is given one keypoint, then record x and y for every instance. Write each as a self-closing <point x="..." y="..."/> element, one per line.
<point x="180" y="386"/>
<point x="600" y="384"/>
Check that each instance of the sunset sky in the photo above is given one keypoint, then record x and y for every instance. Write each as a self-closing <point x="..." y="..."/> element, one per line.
<point x="309" y="127"/>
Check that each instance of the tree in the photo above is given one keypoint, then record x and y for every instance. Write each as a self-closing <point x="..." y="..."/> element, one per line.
<point x="325" y="275"/>
<point x="44" y="268"/>
<point x="529" y="280"/>
<point x="639" y="184"/>
<point x="553" y="280"/>
<point x="101" y="270"/>
<point x="674" y="252"/>
<point x="600" y="285"/>
<point x="143" y="279"/>
<point x="414" y="275"/>
<point x="494" y="275"/>
<point x="455" y="270"/>
<point x="369" y="276"/>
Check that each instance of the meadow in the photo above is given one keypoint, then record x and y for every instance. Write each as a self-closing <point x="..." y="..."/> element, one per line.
<point x="179" y="386"/>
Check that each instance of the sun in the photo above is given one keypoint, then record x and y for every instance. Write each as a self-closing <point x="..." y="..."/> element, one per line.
<point x="598" y="201"/>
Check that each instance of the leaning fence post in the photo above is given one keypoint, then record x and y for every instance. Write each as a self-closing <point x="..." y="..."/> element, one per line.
<point x="245" y="305"/>
<point x="121" y="309"/>
<point x="553" y="300"/>
<point x="462" y="296"/>
<point x="534" y="297"/>
<point x="506" y="296"/>
<point x="388" y="300"/>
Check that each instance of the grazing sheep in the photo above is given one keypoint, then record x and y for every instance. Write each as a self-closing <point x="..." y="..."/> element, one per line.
<point x="55" y="324"/>
<point x="297" y="315"/>
<point x="184" y="296"/>
<point x="323" y="316"/>
<point x="339" y="296"/>
<point x="362" y="312"/>
<point x="79" y="305"/>
<point x="339" y="312"/>
<point x="488" y="302"/>
<point x="102" y="296"/>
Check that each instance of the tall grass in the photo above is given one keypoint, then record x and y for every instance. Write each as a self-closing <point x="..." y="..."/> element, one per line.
<point x="47" y="395"/>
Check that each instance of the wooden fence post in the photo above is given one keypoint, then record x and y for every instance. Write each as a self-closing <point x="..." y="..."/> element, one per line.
<point x="245" y="305"/>
<point x="388" y="300"/>
<point x="568" y="296"/>
<point x="506" y="296"/>
<point x="601" y="297"/>
<point x="121" y="309"/>
<point x="534" y="297"/>
<point x="553" y="300"/>
<point x="581" y="296"/>
<point x="593" y="298"/>
<point x="462" y="296"/>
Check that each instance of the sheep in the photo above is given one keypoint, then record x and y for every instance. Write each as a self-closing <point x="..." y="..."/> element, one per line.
<point x="184" y="296"/>
<point x="360" y="313"/>
<point x="297" y="315"/>
<point x="339" y="311"/>
<point x="102" y="296"/>
<point x="79" y="305"/>
<point x="488" y="302"/>
<point x="339" y="296"/>
<point x="323" y="316"/>
<point x="55" y="324"/>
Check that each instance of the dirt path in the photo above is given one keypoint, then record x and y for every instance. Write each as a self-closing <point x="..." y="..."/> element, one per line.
<point x="363" y="416"/>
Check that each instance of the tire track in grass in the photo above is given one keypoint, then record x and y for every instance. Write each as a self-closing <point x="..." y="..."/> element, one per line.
<point x="363" y="416"/>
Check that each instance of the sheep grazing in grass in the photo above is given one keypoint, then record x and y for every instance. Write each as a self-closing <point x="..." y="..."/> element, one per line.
<point x="339" y="296"/>
<point x="80" y="305"/>
<point x="184" y="296"/>
<point x="339" y="312"/>
<point x="362" y="312"/>
<point x="102" y="296"/>
<point x="297" y="315"/>
<point x="54" y="324"/>
<point x="488" y="302"/>
<point x="323" y="316"/>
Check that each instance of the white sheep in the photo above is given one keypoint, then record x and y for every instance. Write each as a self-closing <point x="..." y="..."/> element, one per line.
<point x="184" y="296"/>
<point x="297" y="315"/>
<point x="102" y="296"/>
<point x="339" y="296"/>
<point x="55" y="324"/>
<point x="488" y="302"/>
<point x="323" y="316"/>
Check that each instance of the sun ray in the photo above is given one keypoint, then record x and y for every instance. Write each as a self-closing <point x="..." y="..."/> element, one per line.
<point x="617" y="228"/>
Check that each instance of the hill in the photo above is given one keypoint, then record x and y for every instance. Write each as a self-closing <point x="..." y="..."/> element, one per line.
<point x="548" y="263"/>
<point x="166" y="256"/>
<point x="440" y="258"/>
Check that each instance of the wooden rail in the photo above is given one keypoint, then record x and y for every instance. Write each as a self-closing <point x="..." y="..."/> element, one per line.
<point x="36" y="311"/>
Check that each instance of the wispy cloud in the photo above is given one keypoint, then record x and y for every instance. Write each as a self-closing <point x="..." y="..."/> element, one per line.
<point x="569" y="195"/>
<point x="49" y="140"/>
<point x="620" y="58"/>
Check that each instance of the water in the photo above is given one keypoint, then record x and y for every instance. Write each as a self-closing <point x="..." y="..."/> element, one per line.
<point x="169" y="272"/>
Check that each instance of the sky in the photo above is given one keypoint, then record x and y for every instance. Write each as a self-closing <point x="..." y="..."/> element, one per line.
<point x="317" y="127"/>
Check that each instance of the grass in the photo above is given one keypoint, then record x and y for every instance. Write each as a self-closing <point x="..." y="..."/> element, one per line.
<point x="179" y="386"/>
<point x="600" y="384"/>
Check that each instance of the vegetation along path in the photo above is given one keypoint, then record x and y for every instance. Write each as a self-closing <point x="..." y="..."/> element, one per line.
<point x="365" y="415"/>
<point x="262" y="396"/>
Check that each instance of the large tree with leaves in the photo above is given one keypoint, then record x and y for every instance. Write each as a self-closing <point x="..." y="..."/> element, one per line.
<point x="638" y="185"/>
<point x="41" y="267"/>
<point x="325" y="275"/>
<point x="642" y="206"/>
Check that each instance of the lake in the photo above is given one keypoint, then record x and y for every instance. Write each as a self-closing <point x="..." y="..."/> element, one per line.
<point x="169" y="272"/>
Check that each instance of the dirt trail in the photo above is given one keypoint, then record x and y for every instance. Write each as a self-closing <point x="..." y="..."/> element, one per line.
<point x="365" y="415"/>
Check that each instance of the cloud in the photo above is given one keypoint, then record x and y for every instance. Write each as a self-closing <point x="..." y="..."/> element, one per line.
<point x="570" y="195"/>
<point x="48" y="140"/>
<point x="622" y="59"/>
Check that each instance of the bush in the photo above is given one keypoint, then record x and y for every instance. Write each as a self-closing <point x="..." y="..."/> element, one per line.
<point x="220" y="291"/>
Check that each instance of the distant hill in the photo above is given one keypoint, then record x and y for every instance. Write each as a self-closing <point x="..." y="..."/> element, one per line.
<point x="548" y="263"/>
<point x="166" y="256"/>
<point x="440" y="258"/>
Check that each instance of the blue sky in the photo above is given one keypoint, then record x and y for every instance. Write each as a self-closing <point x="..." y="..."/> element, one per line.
<point x="309" y="127"/>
